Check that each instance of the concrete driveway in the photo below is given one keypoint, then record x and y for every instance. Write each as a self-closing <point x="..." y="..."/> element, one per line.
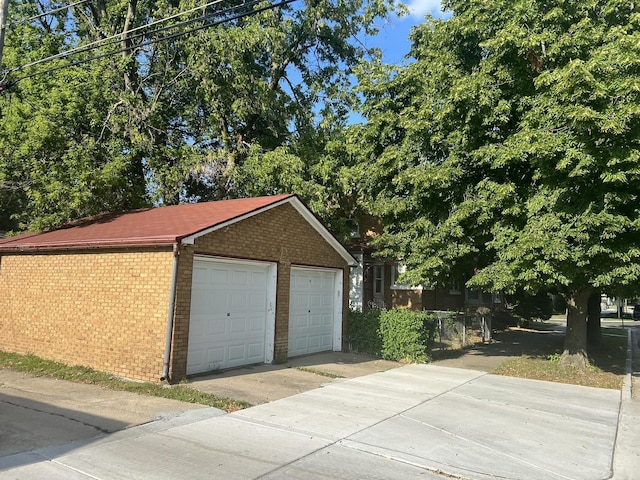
<point x="259" y="384"/>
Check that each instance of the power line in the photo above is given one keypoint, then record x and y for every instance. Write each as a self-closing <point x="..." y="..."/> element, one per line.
<point x="116" y="38"/>
<point x="151" y="40"/>
<point x="49" y="12"/>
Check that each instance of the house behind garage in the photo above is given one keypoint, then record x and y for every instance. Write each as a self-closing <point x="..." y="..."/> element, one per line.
<point x="178" y="290"/>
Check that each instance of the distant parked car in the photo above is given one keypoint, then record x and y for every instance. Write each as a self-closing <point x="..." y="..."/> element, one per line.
<point x="636" y="312"/>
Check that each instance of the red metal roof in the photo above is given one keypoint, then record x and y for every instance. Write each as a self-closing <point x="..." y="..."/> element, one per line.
<point x="154" y="226"/>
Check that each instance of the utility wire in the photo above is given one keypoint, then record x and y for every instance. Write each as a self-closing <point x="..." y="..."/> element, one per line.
<point x="117" y="38"/>
<point x="49" y="12"/>
<point x="151" y="41"/>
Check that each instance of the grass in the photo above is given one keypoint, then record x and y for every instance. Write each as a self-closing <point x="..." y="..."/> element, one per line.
<point x="607" y="367"/>
<point x="39" y="367"/>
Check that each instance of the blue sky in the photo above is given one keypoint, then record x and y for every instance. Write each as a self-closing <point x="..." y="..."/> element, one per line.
<point x="393" y="38"/>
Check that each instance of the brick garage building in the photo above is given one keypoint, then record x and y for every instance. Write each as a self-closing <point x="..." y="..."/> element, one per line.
<point x="172" y="291"/>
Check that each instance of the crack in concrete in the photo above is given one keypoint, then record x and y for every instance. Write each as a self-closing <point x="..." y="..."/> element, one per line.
<point x="98" y="428"/>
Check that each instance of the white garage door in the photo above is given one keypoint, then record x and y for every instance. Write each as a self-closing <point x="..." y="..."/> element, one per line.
<point x="230" y="310"/>
<point x="315" y="318"/>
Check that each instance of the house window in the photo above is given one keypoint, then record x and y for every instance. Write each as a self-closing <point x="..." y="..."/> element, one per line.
<point x="474" y="295"/>
<point x="454" y="288"/>
<point x="378" y="279"/>
<point x="398" y="270"/>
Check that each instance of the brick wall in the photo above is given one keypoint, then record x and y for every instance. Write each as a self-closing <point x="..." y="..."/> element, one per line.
<point x="409" y="299"/>
<point x="278" y="235"/>
<point x="443" y="299"/>
<point x="102" y="309"/>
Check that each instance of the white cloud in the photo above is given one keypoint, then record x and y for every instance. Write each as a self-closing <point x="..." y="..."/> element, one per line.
<point x="419" y="8"/>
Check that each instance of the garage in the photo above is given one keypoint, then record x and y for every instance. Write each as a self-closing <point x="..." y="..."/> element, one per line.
<point x="315" y="310"/>
<point x="230" y="314"/>
<point x="161" y="293"/>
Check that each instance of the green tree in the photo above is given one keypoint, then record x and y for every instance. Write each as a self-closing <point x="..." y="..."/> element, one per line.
<point x="510" y="147"/>
<point x="172" y="115"/>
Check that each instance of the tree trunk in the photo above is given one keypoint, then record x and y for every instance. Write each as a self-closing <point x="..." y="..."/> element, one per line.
<point x="594" y="333"/>
<point x="575" y="340"/>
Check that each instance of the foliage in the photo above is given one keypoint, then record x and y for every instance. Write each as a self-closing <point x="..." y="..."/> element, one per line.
<point x="529" y="307"/>
<point x="406" y="335"/>
<point x="193" y="117"/>
<point x="509" y="150"/>
<point x="363" y="331"/>
<point x="39" y="367"/>
<point x="400" y="335"/>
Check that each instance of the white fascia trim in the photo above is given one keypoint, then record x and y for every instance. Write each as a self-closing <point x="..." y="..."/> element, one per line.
<point x="301" y="209"/>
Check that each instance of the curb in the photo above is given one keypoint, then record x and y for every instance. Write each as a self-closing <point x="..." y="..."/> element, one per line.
<point x="627" y="383"/>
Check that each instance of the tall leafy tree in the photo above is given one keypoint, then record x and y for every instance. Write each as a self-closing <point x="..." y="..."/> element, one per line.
<point x="510" y="149"/>
<point x="185" y="110"/>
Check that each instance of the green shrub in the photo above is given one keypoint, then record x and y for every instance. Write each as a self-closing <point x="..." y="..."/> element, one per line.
<point x="363" y="332"/>
<point x="406" y="335"/>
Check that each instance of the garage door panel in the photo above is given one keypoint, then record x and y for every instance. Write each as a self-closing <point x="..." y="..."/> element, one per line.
<point x="215" y="327"/>
<point x="240" y="278"/>
<point x="301" y="282"/>
<point x="215" y="355"/>
<point x="254" y="302"/>
<point x="196" y="356"/>
<point x="315" y="300"/>
<point x="199" y="302"/>
<point x="301" y="321"/>
<point x="300" y="343"/>
<point x="237" y="326"/>
<point x="300" y="300"/>
<point x="256" y="351"/>
<point x="238" y="301"/>
<point x="218" y="276"/>
<point x="200" y="276"/>
<point x="314" y="342"/>
<point x="258" y="280"/>
<point x="237" y="352"/>
<point x="326" y="342"/>
<point x="315" y="321"/>
<point x="228" y="315"/>
<point x="256" y="325"/>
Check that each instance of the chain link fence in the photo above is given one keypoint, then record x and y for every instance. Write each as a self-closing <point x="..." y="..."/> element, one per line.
<point x="461" y="329"/>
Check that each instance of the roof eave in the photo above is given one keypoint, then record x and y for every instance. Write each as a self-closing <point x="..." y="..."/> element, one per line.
<point x="93" y="245"/>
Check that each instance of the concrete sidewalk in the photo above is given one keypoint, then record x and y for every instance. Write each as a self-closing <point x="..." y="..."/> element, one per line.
<point x="423" y="421"/>
<point x="37" y="412"/>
